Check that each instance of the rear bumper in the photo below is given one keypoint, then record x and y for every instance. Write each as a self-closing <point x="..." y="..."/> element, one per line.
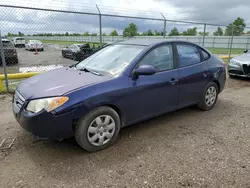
<point x="10" y="59"/>
<point x="46" y="125"/>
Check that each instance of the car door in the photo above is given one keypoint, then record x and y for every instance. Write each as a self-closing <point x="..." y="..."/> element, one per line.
<point x="192" y="74"/>
<point x="157" y="93"/>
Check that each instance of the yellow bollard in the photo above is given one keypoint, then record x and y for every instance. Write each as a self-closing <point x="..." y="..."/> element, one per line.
<point x="15" y="76"/>
<point x="1" y="85"/>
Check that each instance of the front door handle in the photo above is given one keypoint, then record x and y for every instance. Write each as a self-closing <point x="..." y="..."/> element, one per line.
<point x="173" y="81"/>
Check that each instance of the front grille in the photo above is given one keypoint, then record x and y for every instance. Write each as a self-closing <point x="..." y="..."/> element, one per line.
<point x="246" y="69"/>
<point x="18" y="101"/>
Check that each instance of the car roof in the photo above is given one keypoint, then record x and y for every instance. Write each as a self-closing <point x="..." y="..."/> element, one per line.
<point x="5" y="40"/>
<point x="149" y="42"/>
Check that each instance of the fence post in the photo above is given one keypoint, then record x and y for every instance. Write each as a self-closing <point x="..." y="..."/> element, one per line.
<point x="231" y="44"/>
<point x="204" y="35"/>
<point x="100" y="23"/>
<point x="4" y="64"/>
<point x="213" y="42"/>
<point x="164" y="27"/>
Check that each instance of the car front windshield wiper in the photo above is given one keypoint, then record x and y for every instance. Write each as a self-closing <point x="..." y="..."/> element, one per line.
<point x="89" y="70"/>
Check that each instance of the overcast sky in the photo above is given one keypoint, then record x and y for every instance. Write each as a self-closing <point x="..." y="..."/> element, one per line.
<point x="30" y="21"/>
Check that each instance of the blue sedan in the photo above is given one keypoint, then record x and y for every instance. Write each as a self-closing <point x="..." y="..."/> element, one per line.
<point x="122" y="84"/>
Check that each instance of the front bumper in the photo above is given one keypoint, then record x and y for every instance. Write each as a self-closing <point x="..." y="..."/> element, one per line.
<point x="44" y="124"/>
<point x="237" y="70"/>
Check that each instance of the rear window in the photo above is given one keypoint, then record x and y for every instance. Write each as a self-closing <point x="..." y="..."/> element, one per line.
<point x="205" y="54"/>
<point x="7" y="44"/>
<point x="19" y="38"/>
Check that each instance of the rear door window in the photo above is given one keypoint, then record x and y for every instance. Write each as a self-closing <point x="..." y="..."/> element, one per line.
<point x="188" y="55"/>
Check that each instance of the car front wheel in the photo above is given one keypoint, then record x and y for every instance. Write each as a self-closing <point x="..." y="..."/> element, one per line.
<point x="98" y="129"/>
<point x="209" y="97"/>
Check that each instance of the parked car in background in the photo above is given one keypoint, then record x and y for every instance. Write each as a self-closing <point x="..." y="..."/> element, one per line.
<point x="19" y="41"/>
<point x="10" y="53"/>
<point x="240" y="65"/>
<point x="121" y="84"/>
<point x="33" y="44"/>
<point x="79" y="52"/>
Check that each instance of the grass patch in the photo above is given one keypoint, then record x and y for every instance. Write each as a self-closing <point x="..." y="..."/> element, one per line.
<point x="62" y="42"/>
<point x="213" y="50"/>
<point x="225" y="50"/>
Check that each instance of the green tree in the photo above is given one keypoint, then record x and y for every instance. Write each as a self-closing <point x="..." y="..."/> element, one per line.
<point x="104" y="34"/>
<point x="237" y="27"/>
<point x="113" y="33"/>
<point x="158" y="33"/>
<point x="190" y="32"/>
<point x="20" y="34"/>
<point x="147" y="33"/>
<point x="130" y="31"/>
<point x="66" y="34"/>
<point x="150" y="32"/>
<point x="93" y="34"/>
<point x="86" y="34"/>
<point x="174" y="32"/>
<point x="218" y="32"/>
<point x="202" y="33"/>
<point x="248" y="32"/>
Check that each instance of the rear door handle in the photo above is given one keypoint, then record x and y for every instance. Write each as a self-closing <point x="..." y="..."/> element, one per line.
<point x="173" y="81"/>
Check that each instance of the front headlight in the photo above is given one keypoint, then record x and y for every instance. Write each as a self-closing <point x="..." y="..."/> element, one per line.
<point x="234" y="62"/>
<point x="48" y="104"/>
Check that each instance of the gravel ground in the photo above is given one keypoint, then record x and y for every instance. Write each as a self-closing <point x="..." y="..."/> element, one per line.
<point x="187" y="148"/>
<point x="52" y="55"/>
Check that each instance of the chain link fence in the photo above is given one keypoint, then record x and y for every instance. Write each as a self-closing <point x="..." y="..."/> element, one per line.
<point x="38" y="40"/>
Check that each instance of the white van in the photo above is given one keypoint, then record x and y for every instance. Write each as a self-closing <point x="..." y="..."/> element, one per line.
<point x="19" y="41"/>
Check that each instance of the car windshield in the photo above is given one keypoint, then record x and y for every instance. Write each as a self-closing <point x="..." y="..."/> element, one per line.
<point x="111" y="60"/>
<point x="35" y="41"/>
<point x="7" y="44"/>
<point x="19" y="38"/>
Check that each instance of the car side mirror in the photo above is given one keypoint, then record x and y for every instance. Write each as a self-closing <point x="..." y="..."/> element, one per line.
<point x="245" y="51"/>
<point x="144" y="70"/>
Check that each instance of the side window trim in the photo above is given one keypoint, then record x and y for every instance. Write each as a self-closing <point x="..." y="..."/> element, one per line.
<point x="187" y="44"/>
<point x="160" y="45"/>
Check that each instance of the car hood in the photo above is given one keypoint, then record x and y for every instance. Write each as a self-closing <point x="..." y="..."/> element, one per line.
<point x="57" y="82"/>
<point x="244" y="58"/>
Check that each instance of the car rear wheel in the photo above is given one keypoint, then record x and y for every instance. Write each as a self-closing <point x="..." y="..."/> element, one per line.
<point x="209" y="97"/>
<point x="98" y="129"/>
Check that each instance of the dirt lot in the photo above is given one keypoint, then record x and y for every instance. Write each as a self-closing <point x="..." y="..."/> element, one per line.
<point x="188" y="148"/>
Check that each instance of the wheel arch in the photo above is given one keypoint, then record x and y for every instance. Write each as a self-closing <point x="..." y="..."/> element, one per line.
<point x="217" y="83"/>
<point x="112" y="106"/>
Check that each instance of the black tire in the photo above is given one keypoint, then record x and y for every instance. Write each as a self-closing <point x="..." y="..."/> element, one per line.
<point x="202" y="105"/>
<point x="15" y="61"/>
<point x="42" y="49"/>
<point x="81" y="129"/>
<point x="74" y="56"/>
<point x="63" y="54"/>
